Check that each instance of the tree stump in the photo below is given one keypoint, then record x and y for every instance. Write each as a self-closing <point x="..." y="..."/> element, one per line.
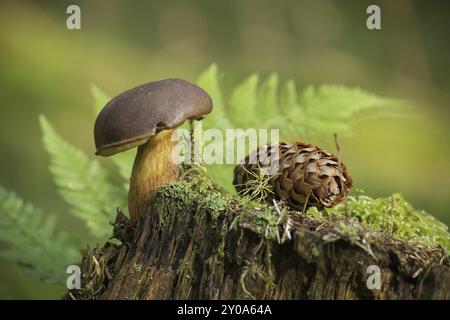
<point x="189" y="248"/>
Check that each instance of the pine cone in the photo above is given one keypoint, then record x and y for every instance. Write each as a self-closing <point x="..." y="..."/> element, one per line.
<point x="306" y="176"/>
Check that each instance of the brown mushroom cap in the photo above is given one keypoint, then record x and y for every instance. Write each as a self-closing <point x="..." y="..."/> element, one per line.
<point x="134" y="116"/>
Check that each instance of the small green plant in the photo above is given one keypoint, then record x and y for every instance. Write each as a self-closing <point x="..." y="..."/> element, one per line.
<point x="258" y="187"/>
<point x="32" y="240"/>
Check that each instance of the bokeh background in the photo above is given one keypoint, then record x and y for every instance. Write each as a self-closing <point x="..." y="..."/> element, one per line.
<point x="45" y="68"/>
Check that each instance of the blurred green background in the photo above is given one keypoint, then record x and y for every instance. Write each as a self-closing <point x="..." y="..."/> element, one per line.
<point x="45" y="68"/>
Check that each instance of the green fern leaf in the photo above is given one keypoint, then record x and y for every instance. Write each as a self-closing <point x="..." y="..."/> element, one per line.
<point x="289" y="98"/>
<point x="242" y="105"/>
<point x="82" y="183"/>
<point x="329" y="109"/>
<point x="33" y="241"/>
<point x="267" y="105"/>
<point x="100" y="98"/>
<point x="209" y="81"/>
<point x="289" y="106"/>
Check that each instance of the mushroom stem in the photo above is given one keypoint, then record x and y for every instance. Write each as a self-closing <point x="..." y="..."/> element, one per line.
<point x="153" y="167"/>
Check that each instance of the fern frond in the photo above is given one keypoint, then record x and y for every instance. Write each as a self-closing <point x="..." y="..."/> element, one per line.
<point x="242" y="104"/>
<point x="289" y="98"/>
<point x="331" y="108"/>
<point x="289" y="106"/>
<point x="82" y="183"/>
<point x="100" y="99"/>
<point x="33" y="240"/>
<point x="209" y="81"/>
<point x="267" y="104"/>
<point x="318" y="111"/>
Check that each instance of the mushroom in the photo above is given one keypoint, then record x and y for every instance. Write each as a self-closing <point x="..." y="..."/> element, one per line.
<point x="147" y="117"/>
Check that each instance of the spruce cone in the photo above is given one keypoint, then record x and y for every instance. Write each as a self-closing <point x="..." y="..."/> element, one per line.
<point x="306" y="176"/>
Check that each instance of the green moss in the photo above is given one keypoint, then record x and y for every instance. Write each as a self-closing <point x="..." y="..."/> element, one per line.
<point x="350" y="230"/>
<point x="392" y="214"/>
<point x="195" y="187"/>
<point x="257" y="216"/>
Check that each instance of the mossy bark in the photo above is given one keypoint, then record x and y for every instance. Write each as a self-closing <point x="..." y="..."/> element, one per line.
<point x="182" y="249"/>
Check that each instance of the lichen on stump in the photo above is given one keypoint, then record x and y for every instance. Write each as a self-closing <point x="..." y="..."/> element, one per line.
<point x="197" y="243"/>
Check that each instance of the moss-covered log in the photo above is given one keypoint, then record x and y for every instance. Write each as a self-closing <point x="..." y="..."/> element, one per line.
<point x="196" y="244"/>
